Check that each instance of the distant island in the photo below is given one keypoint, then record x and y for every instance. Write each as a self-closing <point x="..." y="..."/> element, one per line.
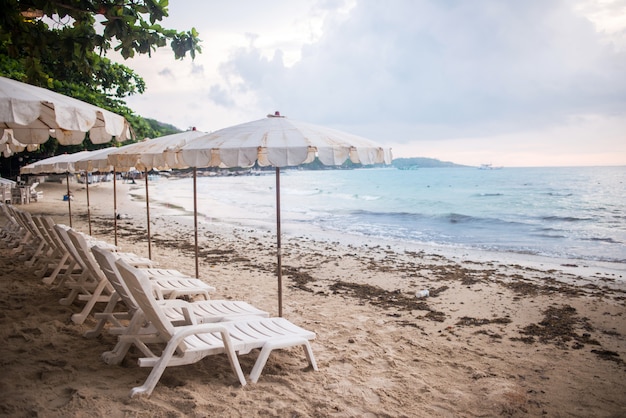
<point x="421" y="162"/>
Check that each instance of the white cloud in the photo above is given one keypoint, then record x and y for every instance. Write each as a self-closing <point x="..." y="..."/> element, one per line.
<point x="429" y="62"/>
<point x="409" y="72"/>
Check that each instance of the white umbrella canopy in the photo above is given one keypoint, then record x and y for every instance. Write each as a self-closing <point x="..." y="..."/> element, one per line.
<point x="279" y="142"/>
<point x="96" y="160"/>
<point x="59" y="164"/>
<point x="9" y="145"/>
<point x="8" y="182"/>
<point x="33" y="114"/>
<point x="151" y="153"/>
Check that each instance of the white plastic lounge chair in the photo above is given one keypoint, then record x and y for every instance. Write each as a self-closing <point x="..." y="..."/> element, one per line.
<point x="38" y="243"/>
<point x="56" y="259"/>
<point x="88" y="286"/>
<point x="25" y="242"/>
<point x="172" y="285"/>
<point x="204" y="310"/>
<point x="11" y="230"/>
<point x="91" y="286"/>
<point x="68" y="268"/>
<point x="177" y="286"/>
<point x="187" y="344"/>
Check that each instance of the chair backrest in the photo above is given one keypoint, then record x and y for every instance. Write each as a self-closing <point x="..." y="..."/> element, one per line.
<point x="26" y="220"/>
<point x="69" y="245"/>
<point x="106" y="261"/>
<point x="43" y="230"/>
<point x="82" y="249"/>
<point x="48" y="223"/>
<point x="139" y="285"/>
<point x="11" y="222"/>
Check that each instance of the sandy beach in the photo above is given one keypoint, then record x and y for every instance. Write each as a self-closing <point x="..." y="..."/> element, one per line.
<point x="498" y="335"/>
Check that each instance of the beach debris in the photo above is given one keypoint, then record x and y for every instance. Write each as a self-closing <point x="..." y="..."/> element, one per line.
<point x="300" y="278"/>
<point x="559" y="327"/>
<point x="476" y="322"/>
<point x="378" y="297"/>
<point x="422" y="294"/>
<point x="435" y="292"/>
<point x="608" y="355"/>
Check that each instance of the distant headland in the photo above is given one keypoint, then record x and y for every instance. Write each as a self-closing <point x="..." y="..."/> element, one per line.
<point x="414" y="163"/>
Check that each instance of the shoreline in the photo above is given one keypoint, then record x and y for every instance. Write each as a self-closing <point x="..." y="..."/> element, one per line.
<point x="572" y="265"/>
<point x="559" y="234"/>
<point x="513" y="336"/>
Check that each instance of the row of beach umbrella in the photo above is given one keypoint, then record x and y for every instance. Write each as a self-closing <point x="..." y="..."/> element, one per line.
<point x="274" y="141"/>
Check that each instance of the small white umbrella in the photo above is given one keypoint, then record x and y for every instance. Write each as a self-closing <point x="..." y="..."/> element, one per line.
<point x="32" y="114"/>
<point x="7" y="182"/>
<point x="59" y="164"/>
<point x="280" y="142"/>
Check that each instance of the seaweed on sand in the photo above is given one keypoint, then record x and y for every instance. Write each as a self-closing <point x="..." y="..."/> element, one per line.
<point x="559" y="327"/>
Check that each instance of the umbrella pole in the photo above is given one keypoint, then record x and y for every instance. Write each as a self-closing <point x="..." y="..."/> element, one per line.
<point x="279" y="267"/>
<point x="69" y="197"/>
<point x="88" y="208"/>
<point x="195" y="218"/>
<point x="148" y="216"/>
<point x="115" y="205"/>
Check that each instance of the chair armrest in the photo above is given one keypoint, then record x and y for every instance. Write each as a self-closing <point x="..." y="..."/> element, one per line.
<point x="184" y="306"/>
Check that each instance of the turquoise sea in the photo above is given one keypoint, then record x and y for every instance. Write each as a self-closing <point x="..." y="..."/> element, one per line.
<point x="577" y="212"/>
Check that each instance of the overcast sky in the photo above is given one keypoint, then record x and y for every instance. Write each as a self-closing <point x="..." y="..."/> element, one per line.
<point x="507" y="82"/>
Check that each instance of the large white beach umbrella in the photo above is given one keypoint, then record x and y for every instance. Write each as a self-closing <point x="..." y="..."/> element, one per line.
<point x="156" y="153"/>
<point x="280" y="142"/>
<point x="29" y="115"/>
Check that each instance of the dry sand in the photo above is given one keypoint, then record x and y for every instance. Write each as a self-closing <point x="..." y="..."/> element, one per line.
<point x="498" y="336"/>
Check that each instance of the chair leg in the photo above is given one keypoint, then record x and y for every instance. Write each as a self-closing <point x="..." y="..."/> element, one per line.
<point x="49" y="279"/>
<point x="166" y="356"/>
<point x="76" y="288"/>
<point x="308" y="351"/>
<point x="96" y="296"/>
<point x="273" y="345"/>
<point x="94" y="332"/>
<point x="118" y="353"/>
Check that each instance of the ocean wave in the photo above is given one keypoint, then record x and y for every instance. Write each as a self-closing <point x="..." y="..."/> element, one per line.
<point x="408" y="218"/>
<point x="552" y="236"/>
<point x="608" y="240"/>
<point x="557" y="194"/>
<point x="456" y="218"/>
<point x="555" y="218"/>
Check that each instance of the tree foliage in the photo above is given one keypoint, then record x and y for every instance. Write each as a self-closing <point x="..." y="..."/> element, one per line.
<point x="62" y="45"/>
<point x="67" y="39"/>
